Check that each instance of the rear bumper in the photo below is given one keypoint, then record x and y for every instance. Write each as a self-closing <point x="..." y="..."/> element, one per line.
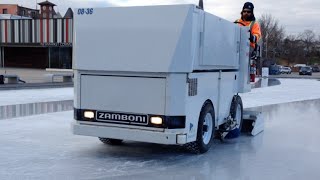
<point x="141" y="135"/>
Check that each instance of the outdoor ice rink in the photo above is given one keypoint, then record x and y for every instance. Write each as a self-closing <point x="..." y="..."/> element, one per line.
<point x="43" y="147"/>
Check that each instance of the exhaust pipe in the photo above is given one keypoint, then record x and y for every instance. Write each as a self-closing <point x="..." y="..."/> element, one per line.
<point x="201" y="4"/>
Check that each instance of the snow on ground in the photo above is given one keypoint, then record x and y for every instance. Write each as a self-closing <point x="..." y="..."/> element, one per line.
<point x="25" y="96"/>
<point x="289" y="90"/>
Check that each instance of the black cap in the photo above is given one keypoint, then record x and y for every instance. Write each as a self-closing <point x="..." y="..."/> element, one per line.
<point x="248" y="5"/>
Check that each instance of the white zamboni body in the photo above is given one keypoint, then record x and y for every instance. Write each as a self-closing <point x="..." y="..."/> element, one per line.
<point x="133" y="64"/>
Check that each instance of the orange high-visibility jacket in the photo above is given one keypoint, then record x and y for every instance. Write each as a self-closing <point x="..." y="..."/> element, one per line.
<point x="255" y="29"/>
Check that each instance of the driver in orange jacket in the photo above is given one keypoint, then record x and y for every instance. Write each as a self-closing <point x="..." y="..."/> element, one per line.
<point x="248" y="19"/>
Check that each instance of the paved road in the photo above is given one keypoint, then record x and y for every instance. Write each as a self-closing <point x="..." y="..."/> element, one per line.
<point x="35" y="85"/>
<point x="296" y="75"/>
<point x="34" y="78"/>
<point x="27" y="74"/>
<point x="42" y="147"/>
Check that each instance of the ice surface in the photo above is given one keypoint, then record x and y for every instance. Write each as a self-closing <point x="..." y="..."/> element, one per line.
<point x="42" y="147"/>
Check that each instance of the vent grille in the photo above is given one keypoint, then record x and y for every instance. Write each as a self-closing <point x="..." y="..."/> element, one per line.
<point x="193" y="87"/>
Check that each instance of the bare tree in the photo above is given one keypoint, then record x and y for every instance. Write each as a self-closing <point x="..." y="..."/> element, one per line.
<point x="293" y="49"/>
<point x="308" y="37"/>
<point x="272" y="35"/>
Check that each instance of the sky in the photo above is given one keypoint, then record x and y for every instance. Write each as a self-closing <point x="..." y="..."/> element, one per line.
<point x="295" y="16"/>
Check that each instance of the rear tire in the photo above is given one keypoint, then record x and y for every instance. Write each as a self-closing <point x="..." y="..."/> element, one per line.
<point x="110" y="141"/>
<point x="205" y="132"/>
<point x="236" y="110"/>
<point x="236" y="113"/>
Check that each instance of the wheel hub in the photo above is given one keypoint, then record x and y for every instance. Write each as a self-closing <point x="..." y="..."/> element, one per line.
<point x="238" y="115"/>
<point x="207" y="128"/>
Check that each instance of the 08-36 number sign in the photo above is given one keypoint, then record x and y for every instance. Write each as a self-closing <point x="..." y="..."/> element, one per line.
<point x="83" y="11"/>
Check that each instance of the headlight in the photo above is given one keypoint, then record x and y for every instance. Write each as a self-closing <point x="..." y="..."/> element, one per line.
<point x="156" y="120"/>
<point x="89" y="114"/>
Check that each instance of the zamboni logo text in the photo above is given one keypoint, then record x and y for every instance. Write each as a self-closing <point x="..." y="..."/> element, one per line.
<point x="122" y="117"/>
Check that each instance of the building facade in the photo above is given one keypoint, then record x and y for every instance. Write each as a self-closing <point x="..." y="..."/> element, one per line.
<point x="36" y="43"/>
<point x="14" y="9"/>
<point x="41" y="42"/>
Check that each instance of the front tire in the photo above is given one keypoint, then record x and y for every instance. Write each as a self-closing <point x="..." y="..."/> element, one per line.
<point x="205" y="132"/>
<point x="110" y="141"/>
<point x="236" y="112"/>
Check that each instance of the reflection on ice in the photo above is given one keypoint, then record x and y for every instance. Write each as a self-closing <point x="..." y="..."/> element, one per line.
<point x="19" y="110"/>
<point x="265" y="82"/>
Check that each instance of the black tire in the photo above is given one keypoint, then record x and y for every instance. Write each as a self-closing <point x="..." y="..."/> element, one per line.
<point x="237" y="105"/>
<point x="110" y="141"/>
<point x="1" y="79"/>
<point x="199" y="146"/>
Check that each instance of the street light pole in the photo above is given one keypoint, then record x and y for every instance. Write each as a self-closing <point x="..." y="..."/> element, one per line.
<point x="267" y="46"/>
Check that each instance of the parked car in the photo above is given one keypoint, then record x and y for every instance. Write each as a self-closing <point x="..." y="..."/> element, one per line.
<point x="315" y="69"/>
<point x="274" y="70"/>
<point x="307" y="70"/>
<point x="285" y="70"/>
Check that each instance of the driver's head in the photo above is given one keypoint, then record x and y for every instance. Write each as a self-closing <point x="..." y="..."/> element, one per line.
<point x="247" y="12"/>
